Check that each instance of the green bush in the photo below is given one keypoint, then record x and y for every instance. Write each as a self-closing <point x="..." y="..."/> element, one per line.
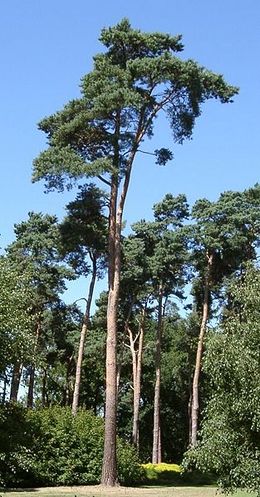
<point x="174" y="474"/>
<point x="51" y="447"/>
<point x="163" y="472"/>
<point x="15" y="455"/>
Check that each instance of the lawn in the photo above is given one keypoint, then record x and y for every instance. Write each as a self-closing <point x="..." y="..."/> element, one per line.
<point x="98" y="491"/>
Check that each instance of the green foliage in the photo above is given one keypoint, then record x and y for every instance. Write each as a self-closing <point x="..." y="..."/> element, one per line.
<point x="84" y="230"/>
<point x="36" y="251"/>
<point x="165" y="473"/>
<point x="15" y="317"/>
<point x="15" y="450"/>
<point x="162" y="472"/>
<point x="230" y="436"/>
<point x="52" y="447"/>
<point x="227" y="229"/>
<point x="131" y="82"/>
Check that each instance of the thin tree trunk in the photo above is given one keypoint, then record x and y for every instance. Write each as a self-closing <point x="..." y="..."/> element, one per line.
<point x="196" y="376"/>
<point x="160" y="446"/>
<point x="137" y="373"/>
<point x="156" y="454"/>
<point x="5" y="380"/>
<point x="31" y="386"/>
<point x="189" y="416"/>
<point x="15" y="383"/>
<point x="44" y="389"/>
<point x="121" y="350"/>
<point x="30" y="394"/>
<point x="75" y="402"/>
<point x="109" y="468"/>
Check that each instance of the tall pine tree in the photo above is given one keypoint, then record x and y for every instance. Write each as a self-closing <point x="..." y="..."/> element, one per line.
<point x="100" y="134"/>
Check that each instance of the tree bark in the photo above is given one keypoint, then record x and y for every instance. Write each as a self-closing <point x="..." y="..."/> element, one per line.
<point x="109" y="468"/>
<point x="5" y="381"/>
<point x="189" y="416"/>
<point x="75" y="402"/>
<point x="44" y="388"/>
<point x="196" y="376"/>
<point x="137" y="373"/>
<point x="156" y="453"/>
<point x="15" y="383"/>
<point x="30" y="394"/>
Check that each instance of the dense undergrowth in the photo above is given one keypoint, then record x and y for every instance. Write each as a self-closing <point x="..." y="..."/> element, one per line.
<point x="51" y="447"/>
<point x="41" y="447"/>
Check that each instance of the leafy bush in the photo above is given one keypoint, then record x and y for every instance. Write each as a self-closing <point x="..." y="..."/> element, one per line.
<point x="14" y="446"/>
<point x="51" y="447"/>
<point x="162" y="472"/>
<point x="173" y="473"/>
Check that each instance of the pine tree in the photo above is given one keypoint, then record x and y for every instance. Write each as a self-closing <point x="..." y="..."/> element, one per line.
<point x="99" y="135"/>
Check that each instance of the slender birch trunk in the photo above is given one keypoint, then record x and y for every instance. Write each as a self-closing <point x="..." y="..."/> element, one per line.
<point x="75" y="402"/>
<point x="15" y="383"/>
<point x="156" y="453"/>
<point x="196" y="376"/>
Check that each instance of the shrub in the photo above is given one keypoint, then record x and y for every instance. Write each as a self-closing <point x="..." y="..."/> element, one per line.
<point x="162" y="472"/>
<point x="52" y="447"/>
<point x="15" y="452"/>
<point x="173" y="473"/>
<point x="130" y="470"/>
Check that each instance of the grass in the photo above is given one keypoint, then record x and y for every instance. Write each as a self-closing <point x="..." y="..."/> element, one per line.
<point x="98" y="491"/>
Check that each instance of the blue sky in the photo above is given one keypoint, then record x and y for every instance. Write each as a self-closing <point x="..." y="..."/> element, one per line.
<point x="47" y="46"/>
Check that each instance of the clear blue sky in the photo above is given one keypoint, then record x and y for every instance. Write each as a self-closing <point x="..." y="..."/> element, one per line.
<point x="47" y="45"/>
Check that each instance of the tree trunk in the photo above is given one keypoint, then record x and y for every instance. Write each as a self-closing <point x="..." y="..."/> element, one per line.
<point x="189" y="416"/>
<point x="156" y="454"/>
<point x="44" y="388"/>
<point x="5" y="381"/>
<point x="159" y="446"/>
<point x="137" y="373"/>
<point x="30" y="394"/>
<point x="31" y="386"/>
<point x="84" y="328"/>
<point x="15" y="383"/>
<point x="109" y="468"/>
<point x="196" y="376"/>
<point x="120" y="355"/>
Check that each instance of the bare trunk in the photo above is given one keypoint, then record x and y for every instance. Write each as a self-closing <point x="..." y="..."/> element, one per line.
<point x="109" y="468"/>
<point x="120" y="355"/>
<point x="84" y="328"/>
<point x="196" y="376"/>
<point x="159" y="446"/>
<point x="189" y="416"/>
<point x="137" y="373"/>
<point x="15" y="383"/>
<point x="44" y="388"/>
<point x="31" y="386"/>
<point x="30" y="394"/>
<point x="156" y="454"/>
<point x="5" y="381"/>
